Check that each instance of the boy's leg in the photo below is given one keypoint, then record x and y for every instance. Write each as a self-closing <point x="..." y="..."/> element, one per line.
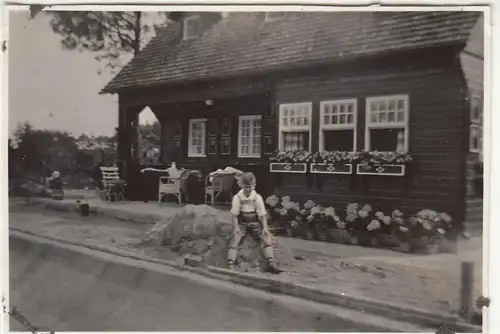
<point x="267" y="248"/>
<point x="232" y="252"/>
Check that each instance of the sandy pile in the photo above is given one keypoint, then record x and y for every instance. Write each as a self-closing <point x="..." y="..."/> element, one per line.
<point x="204" y="231"/>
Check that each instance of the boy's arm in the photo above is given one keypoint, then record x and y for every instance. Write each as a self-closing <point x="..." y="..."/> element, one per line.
<point x="235" y="209"/>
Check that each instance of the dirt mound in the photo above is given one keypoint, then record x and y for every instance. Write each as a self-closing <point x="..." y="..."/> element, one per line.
<point x="205" y="231"/>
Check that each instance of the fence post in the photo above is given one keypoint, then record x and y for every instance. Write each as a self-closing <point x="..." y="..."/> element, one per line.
<point x="467" y="283"/>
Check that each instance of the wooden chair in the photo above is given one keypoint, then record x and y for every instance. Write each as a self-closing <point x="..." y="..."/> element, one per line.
<point x="172" y="185"/>
<point x="113" y="185"/>
<point x="217" y="185"/>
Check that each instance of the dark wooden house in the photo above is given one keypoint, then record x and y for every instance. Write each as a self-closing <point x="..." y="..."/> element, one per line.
<point x="229" y="90"/>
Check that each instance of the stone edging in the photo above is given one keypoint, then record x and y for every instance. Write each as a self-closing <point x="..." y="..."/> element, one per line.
<point x="391" y="311"/>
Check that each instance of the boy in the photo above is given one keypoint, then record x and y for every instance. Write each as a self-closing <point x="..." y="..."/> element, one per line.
<point x="250" y="216"/>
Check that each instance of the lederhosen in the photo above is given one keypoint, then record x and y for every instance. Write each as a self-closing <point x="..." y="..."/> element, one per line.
<point x="248" y="222"/>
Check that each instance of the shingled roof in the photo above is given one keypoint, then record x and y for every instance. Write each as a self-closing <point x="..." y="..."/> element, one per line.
<point x="243" y="44"/>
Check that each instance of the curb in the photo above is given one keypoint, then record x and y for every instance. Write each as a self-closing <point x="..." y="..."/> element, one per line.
<point x="391" y="311"/>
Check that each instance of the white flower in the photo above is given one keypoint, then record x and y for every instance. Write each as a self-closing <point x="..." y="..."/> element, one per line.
<point x="386" y="220"/>
<point x="379" y="214"/>
<point x="427" y="225"/>
<point x="296" y="206"/>
<point x="272" y="201"/>
<point x="441" y="231"/>
<point x="283" y="212"/>
<point x="285" y="199"/>
<point x="288" y="205"/>
<point x="363" y="213"/>
<point x="403" y="229"/>
<point x="367" y="208"/>
<point x="310" y="218"/>
<point x="350" y="217"/>
<point x="398" y="220"/>
<point x="341" y="225"/>
<point x="397" y="213"/>
<point x="445" y="217"/>
<point x="294" y="224"/>
<point x="309" y="204"/>
<point x="330" y="212"/>
<point x="315" y="210"/>
<point x="374" y="224"/>
<point x="336" y="219"/>
<point x="303" y="212"/>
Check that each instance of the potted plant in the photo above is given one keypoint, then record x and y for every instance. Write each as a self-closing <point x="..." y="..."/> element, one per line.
<point x="424" y="235"/>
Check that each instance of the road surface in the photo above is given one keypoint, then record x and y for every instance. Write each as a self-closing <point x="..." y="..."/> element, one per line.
<point x="66" y="288"/>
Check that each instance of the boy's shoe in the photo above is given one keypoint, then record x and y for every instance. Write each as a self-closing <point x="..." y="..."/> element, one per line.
<point x="230" y="266"/>
<point x="273" y="268"/>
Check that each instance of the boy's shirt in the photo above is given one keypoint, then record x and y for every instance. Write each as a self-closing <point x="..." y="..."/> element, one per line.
<point x="252" y="203"/>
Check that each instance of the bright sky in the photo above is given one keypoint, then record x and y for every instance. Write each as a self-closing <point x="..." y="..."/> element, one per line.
<point x="54" y="88"/>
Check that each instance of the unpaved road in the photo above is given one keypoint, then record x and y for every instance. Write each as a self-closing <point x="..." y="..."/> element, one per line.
<point x="63" y="288"/>
<point x="429" y="282"/>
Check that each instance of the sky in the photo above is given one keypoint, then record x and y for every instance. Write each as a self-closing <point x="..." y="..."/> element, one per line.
<point x="54" y="88"/>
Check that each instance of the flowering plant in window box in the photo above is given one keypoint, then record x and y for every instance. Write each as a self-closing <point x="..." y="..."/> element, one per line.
<point x="289" y="162"/>
<point x="334" y="162"/>
<point x="382" y="163"/>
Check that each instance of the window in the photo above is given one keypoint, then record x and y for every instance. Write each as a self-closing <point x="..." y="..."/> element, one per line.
<point x="249" y="136"/>
<point x="387" y="119"/>
<point x="197" y="137"/>
<point x="192" y="27"/>
<point x="295" y="126"/>
<point x="272" y="16"/>
<point x="476" y="128"/>
<point x="476" y="110"/>
<point x="338" y="125"/>
<point x="476" y="138"/>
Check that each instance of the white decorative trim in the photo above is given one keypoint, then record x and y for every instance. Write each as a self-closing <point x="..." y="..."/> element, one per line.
<point x="249" y="118"/>
<point x="333" y="127"/>
<point x="204" y="144"/>
<point x="333" y="171"/>
<point x="273" y="164"/>
<point x="268" y="16"/>
<point x="405" y="125"/>
<point x="403" y="171"/>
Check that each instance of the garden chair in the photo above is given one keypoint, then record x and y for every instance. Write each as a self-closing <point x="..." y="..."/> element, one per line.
<point x="172" y="185"/>
<point x="113" y="185"/>
<point x="217" y="185"/>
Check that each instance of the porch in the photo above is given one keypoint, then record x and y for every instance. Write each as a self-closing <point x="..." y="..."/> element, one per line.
<point x="230" y="125"/>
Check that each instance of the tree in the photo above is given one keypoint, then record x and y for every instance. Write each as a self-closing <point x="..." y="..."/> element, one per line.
<point x="112" y="35"/>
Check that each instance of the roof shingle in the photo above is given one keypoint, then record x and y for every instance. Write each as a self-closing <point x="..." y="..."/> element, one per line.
<point x="243" y="44"/>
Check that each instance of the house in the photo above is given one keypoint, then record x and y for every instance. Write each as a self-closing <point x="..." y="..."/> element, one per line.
<point x="232" y="89"/>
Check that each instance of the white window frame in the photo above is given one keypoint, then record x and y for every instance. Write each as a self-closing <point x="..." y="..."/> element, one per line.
<point x="479" y="129"/>
<point x="185" y="23"/>
<point x="204" y="142"/>
<point x="478" y="100"/>
<point x="270" y="18"/>
<point x="250" y="118"/>
<point x="302" y="128"/>
<point x="405" y="125"/>
<point x="332" y="127"/>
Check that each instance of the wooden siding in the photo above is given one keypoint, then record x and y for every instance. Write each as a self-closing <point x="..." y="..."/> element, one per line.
<point x="436" y="136"/>
<point x="472" y="61"/>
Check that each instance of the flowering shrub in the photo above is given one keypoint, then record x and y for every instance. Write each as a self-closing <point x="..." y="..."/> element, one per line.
<point x="429" y="223"/>
<point x="373" y="158"/>
<point x="357" y="219"/>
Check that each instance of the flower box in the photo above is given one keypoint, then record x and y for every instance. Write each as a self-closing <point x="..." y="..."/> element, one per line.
<point x="285" y="167"/>
<point x="388" y="170"/>
<point x="321" y="168"/>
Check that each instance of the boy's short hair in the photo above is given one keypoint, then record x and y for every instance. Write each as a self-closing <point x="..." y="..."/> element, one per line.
<point x="247" y="179"/>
